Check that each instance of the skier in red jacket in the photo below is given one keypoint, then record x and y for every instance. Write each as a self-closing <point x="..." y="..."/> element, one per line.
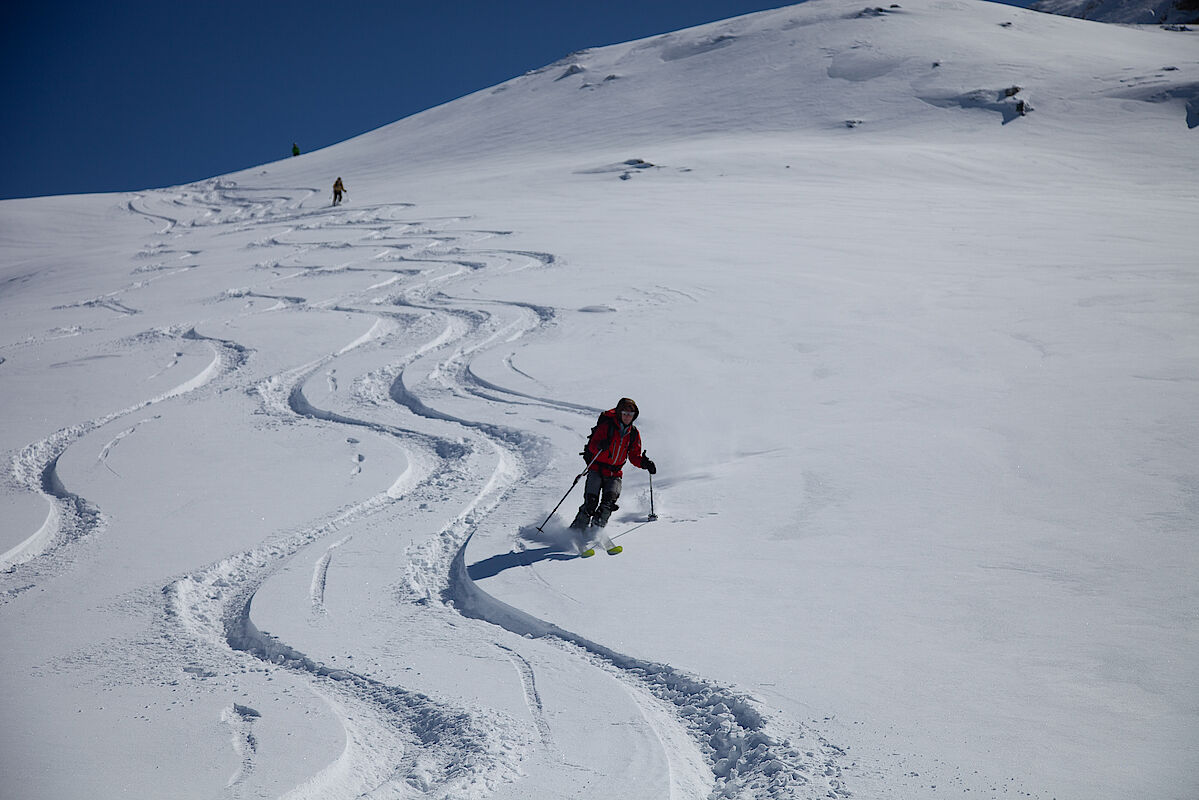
<point x="613" y="439"/>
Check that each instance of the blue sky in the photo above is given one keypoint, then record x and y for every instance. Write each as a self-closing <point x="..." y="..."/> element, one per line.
<point x="136" y="94"/>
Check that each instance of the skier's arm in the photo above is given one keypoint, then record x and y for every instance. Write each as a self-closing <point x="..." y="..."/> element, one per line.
<point x="596" y="442"/>
<point x="638" y="458"/>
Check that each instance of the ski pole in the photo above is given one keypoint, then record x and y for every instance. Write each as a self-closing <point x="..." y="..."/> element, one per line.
<point x="568" y="491"/>
<point x="652" y="516"/>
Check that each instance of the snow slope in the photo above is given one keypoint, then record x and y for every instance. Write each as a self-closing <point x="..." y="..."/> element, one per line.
<point x="907" y="296"/>
<point x="1129" y="12"/>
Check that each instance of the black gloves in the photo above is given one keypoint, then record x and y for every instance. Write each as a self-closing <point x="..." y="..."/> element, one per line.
<point x="586" y="458"/>
<point x="649" y="466"/>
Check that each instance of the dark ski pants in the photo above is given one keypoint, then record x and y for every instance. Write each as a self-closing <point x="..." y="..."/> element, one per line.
<point x="599" y="500"/>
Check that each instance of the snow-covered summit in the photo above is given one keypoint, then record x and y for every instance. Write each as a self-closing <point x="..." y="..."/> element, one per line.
<point x="813" y="69"/>
<point x="1136" y="12"/>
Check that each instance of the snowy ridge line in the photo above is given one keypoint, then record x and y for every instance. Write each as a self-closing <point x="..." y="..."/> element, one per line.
<point x="35" y="467"/>
<point x="393" y="735"/>
<point x="745" y="758"/>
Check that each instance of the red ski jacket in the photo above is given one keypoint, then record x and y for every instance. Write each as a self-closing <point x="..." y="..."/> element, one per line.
<point x="614" y="443"/>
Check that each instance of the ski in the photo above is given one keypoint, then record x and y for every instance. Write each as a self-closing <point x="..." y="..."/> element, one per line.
<point x="595" y="535"/>
<point x="610" y="548"/>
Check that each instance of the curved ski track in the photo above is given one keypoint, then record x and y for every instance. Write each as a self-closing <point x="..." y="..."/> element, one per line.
<point x="402" y="743"/>
<point x="35" y="468"/>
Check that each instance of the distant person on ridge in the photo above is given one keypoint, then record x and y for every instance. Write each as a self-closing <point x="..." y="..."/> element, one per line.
<point x="295" y="149"/>
<point x="613" y="439"/>
<point x="338" y="188"/>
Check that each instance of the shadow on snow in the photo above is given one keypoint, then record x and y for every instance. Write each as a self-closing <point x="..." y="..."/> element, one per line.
<point x="490" y="567"/>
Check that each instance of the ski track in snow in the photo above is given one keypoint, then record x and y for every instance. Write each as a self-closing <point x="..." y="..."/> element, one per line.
<point x="240" y="720"/>
<point x="111" y="445"/>
<point x="747" y="759"/>
<point x="320" y="575"/>
<point x="399" y="742"/>
<point x="71" y="518"/>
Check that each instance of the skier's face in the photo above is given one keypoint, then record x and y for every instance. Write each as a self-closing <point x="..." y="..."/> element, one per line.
<point x="626" y="416"/>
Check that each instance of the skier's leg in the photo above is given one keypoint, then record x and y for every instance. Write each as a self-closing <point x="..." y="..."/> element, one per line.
<point x="607" y="504"/>
<point x="591" y="500"/>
